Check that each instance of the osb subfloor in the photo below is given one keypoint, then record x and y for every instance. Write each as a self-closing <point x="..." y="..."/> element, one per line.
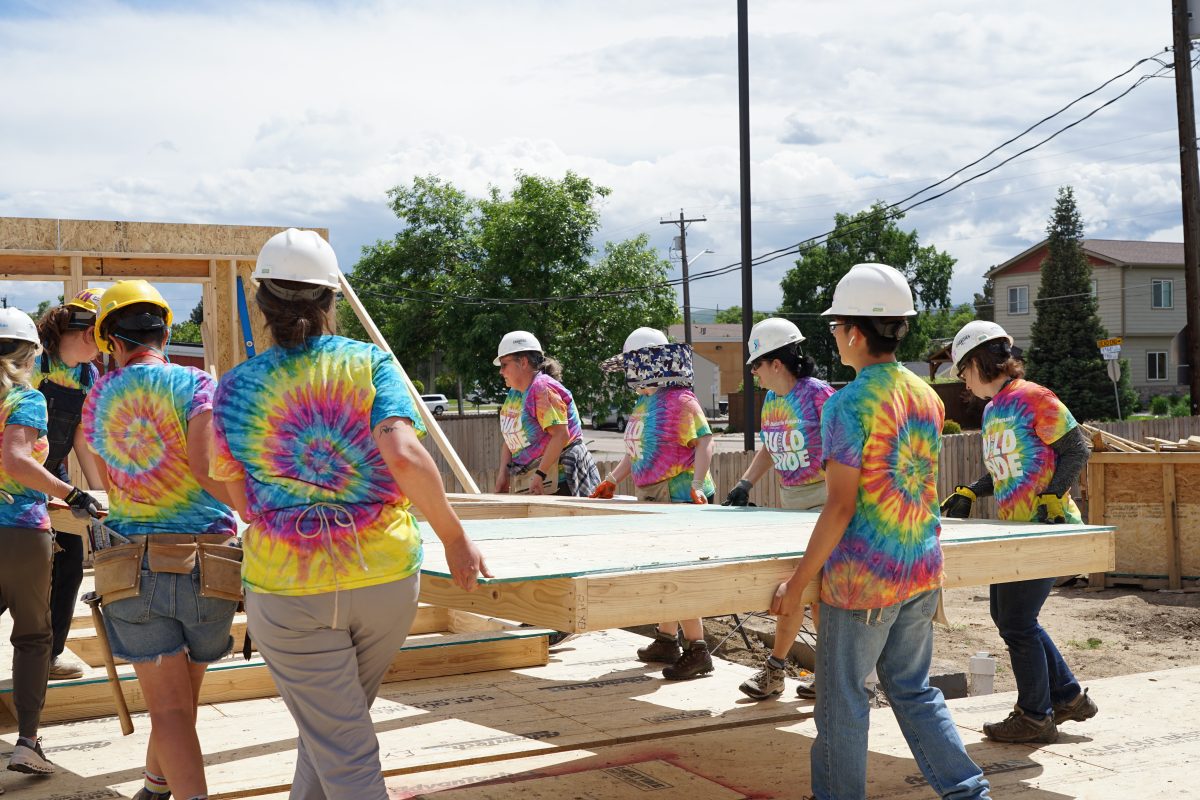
<point x="595" y="723"/>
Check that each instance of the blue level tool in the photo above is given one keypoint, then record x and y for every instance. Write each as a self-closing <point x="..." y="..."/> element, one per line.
<point x="244" y="313"/>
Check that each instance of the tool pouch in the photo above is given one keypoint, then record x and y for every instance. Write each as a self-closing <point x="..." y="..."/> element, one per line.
<point x="220" y="571"/>
<point x="177" y="558"/>
<point x="118" y="571"/>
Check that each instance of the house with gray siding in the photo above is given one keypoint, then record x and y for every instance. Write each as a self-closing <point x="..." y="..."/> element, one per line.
<point x="1139" y="292"/>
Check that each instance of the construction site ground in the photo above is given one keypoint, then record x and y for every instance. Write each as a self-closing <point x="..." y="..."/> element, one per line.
<point x="596" y="723"/>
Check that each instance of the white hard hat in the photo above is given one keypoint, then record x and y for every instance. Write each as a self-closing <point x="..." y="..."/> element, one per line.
<point x="973" y="334"/>
<point x="643" y="337"/>
<point x="516" y="342"/>
<point x="772" y="334"/>
<point x="295" y="255"/>
<point x="872" y="290"/>
<point x="16" y="324"/>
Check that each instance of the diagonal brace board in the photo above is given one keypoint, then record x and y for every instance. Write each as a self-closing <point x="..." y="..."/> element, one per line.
<point x="435" y="430"/>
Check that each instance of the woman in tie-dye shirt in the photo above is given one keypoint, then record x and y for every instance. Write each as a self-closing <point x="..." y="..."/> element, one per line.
<point x="668" y="447"/>
<point x="1033" y="452"/>
<point x="25" y="535"/>
<point x="316" y="439"/>
<point x="542" y="450"/>
<point x="791" y="437"/>
<point x="149" y="423"/>
<point x="876" y="546"/>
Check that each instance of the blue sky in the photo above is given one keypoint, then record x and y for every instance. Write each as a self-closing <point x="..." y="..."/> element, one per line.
<point x="306" y="113"/>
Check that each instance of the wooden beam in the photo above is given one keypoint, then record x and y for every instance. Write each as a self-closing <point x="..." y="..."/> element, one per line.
<point x="1095" y="481"/>
<point x="1171" y="514"/>
<point x="39" y="267"/>
<point x="421" y="657"/>
<point x="148" y="268"/>
<point x="552" y="603"/>
<point x="431" y="423"/>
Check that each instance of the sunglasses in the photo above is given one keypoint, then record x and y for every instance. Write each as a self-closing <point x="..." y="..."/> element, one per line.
<point x="833" y="326"/>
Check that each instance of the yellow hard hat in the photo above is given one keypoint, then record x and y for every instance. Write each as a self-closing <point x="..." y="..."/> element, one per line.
<point x="87" y="300"/>
<point x="122" y="294"/>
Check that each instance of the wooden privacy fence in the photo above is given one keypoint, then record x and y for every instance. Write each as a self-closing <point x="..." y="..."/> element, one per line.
<point x="477" y="439"/>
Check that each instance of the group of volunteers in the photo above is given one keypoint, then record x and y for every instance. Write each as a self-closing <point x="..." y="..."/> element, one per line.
<point x="866" y="458"/>
<point x="314" y="444"/>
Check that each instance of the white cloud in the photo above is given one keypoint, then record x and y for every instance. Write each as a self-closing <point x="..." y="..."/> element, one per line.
<point x="287" y="113"/>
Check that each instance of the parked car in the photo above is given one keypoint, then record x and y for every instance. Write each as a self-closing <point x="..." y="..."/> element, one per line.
<point x="610" y="417"/>
<point x="437" y="403"/>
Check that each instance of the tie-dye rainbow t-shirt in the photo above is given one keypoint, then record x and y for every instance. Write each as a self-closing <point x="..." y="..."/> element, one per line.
<point x="525" y="416"/>
<point x="60" y="373"/>
<point x="136" y="419"/>
<point x="887" y="422"/>
<point x="24" y="406"/>
<point x="1019" y="425"/>
<point x="660" y="439"/>
<point x="294" y="427"/>
<point x="790" y="430"/>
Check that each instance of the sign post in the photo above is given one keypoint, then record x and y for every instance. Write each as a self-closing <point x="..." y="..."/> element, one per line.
<point x="1110" y="349"/>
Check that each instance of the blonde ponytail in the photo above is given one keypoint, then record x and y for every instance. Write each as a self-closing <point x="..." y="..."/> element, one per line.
<point x="15" y="366"/>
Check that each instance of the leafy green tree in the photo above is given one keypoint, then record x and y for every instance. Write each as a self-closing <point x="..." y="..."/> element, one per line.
<point x="186" y="332"/>
<point x="1063" y="355"/>
<point x="733" y="315"/>
<point x="464" y="271"/>
<point x="42" y="308"/>
<point x="864" y="237"/>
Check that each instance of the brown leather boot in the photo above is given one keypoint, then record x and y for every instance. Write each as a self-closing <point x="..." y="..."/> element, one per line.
<point x="694" y="662"/>
<point x="664" y="649"/>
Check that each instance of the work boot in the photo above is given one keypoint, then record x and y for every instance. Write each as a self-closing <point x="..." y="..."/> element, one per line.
<point x="1079" y="709"/>
<point x="1019" y="727"/>
<point x="694" y="662"/>
<point x="146" y="794"/>
<point x="27" y="757"/>
<point x="807" y="688"/>
<point x="664" y="649"/>
<point x="766" y="683"/>
<point x="65" y="668"/>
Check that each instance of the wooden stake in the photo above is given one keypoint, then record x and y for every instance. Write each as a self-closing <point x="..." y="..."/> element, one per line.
<point x="431" y="425"/>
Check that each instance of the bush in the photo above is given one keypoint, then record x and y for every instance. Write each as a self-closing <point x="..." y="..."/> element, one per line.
<point x="447" y="385"/>
<point x="417" y="382"/>
<point x="951" y="427"/>
<point x="1182" y="407"/>
<point x="1160" y="405"/>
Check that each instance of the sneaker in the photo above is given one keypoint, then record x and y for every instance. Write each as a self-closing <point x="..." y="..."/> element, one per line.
<point x="1019" y="727"/>
<point x="664" y="649"/>
<point x="65" y="668"/>
<point x="766" y="683"/>
<point x="694" y="662"/>
<point x="30" y="760"/>
<point x="807" y="689"/>
<point x="146" y="794"/>
<point x="1078" y="710"/>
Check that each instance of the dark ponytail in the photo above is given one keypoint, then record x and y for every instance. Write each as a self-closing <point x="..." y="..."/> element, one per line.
<point x="293" y="322"/>
<point x="793" y="359"/>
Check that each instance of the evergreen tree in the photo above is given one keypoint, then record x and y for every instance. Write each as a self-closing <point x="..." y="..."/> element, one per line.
<point x="1063" y="355"/>
<point x="985" y="301"/>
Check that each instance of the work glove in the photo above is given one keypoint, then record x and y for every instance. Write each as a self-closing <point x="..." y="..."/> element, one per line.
<point x="1050" y="509"/>
<point x="698" y="496"/>
<point x="958" y="505"/>
<point x="82" y="503"/>
<point x="605" y="490"/>
<point x="739" y="495"/>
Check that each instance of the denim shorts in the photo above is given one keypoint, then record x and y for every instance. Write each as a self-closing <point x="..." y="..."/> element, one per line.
<point x="169" y="616"/>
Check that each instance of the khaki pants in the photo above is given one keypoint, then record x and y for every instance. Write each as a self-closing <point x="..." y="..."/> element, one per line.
<point x="25" y="564"/>
<point x="654" y="492"/>
<point x="807" y="497"/>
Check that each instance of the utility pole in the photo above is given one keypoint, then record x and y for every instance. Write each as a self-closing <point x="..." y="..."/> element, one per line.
<point x="1190" y="183"/>
<point x="743" y="42"/>
<point x="687" y="295"/>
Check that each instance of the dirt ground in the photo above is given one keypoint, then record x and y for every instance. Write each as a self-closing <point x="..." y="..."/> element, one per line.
<point x="1100" y="633"/>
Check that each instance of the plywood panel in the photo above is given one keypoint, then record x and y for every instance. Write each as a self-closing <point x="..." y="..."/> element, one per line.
<point x="1135" y="499"/>
<point x="110" y="236"/>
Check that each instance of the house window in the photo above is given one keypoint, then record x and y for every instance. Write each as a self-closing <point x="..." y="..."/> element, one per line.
<point x="1018" y="300"/>
<point x="1095" y="287"/>
<point x="1156" y="366"/>
<point x="1161" y="294"/>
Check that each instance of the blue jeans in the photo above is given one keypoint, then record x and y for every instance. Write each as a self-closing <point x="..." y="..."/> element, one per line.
<point x="169" y="616"/>
<point x="897" y="642"/>
<point x="1043" y="678"/>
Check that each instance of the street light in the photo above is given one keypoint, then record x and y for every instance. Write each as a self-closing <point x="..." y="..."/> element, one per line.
<point x="687" y="297"/>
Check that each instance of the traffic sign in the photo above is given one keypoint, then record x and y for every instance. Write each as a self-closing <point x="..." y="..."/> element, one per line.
<point x="1113" y="342"/>
<point x="1114" y="371"/>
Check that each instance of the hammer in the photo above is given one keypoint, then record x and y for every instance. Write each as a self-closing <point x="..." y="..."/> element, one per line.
<point x="93" y="602"/>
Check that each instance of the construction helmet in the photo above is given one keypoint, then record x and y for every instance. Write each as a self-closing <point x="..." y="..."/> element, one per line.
<point x="643" y="337"/>
<point x="973" y="334"/>
<point x="120" y="295"/>
<point x="516" y="342"/>
<point x="17" y="326"/>
<point x="872" y="290"/>
<point x="772" y="334"/>
<point x="295" y="255"/>
<point x="83" y="309"/>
